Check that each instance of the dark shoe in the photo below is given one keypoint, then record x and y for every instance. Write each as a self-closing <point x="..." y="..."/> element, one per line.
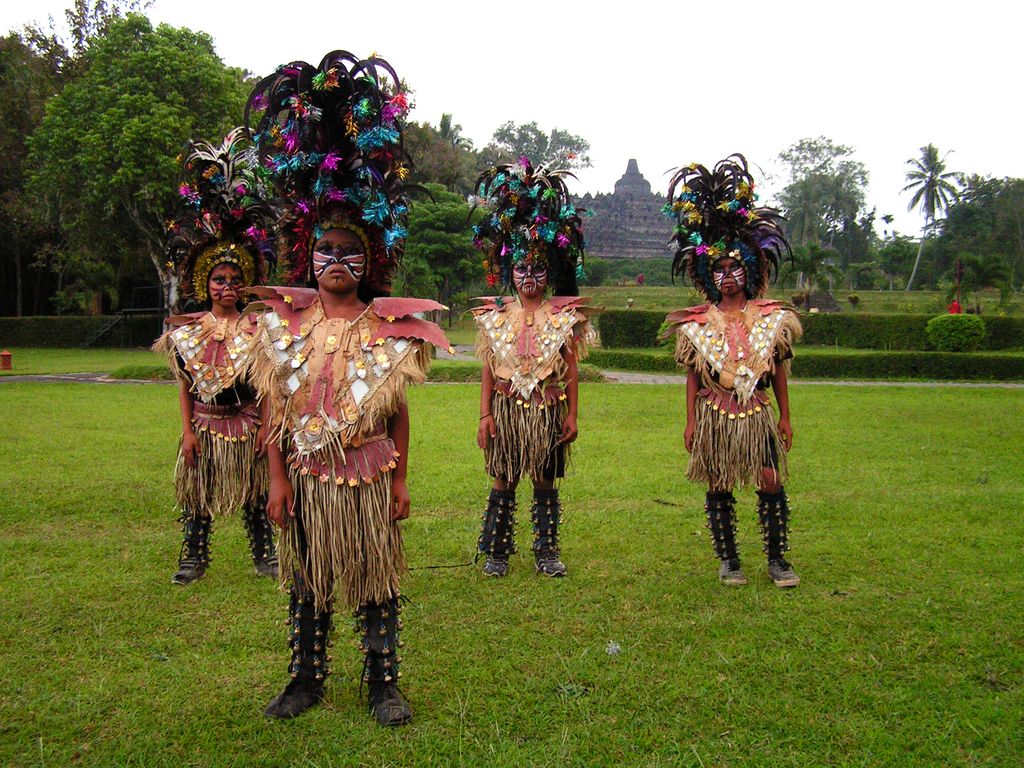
<point x="261" y="540"/>
<point x="296" y="698"/>
<point x="195" y="549"/>
<point x="730" y="573"/>
<point x="782" y="573"/>
<point x="496" y="565"/>
<point x="549" y="563"/>
<point x="388" y="704"/>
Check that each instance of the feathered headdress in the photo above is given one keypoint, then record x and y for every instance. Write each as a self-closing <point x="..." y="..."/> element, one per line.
<point x="331" y="137"/>
<point x="716" y="216"/>
<point x="530" y="215"/>
<point x="223" y="216"/>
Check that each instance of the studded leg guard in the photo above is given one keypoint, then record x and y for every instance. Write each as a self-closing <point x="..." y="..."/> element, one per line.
<point x="380" y="624"/>
<point x="497" y="532"/>
<point x="546" y="515"/>
<point x="261" y="539"/>
<point x="773" y="515"/>
<point x="309" y="640"/>
<point x="721" y="510"/>
<point x="195" y="548"/>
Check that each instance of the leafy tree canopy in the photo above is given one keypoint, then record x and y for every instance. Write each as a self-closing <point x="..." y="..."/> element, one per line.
<point x="557" y="149"/>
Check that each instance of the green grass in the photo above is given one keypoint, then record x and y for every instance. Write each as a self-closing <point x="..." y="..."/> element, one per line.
<point x="38" y="360"/>
<point x="902" y="647"/>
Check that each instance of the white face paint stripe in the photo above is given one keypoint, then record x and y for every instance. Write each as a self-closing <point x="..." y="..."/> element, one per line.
<point x="353" y="263"/>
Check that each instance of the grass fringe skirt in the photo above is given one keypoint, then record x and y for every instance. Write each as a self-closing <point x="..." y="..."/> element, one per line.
<point x="525" y="437"/>
<point x="729" y="453"/>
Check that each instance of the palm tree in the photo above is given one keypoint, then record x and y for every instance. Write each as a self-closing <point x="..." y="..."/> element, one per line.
<point x="933" y="192"/>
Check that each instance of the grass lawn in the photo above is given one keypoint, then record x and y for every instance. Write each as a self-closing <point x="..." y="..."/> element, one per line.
<point x="904" y="646"/>
<point x="41" y="360"/>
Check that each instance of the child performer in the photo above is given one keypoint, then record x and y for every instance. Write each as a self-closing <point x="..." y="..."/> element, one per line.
<point x="736" y="347"/>
<point x="334" y="363"/>
<point x="218" y="242"/>
<point x="530" y="346"/>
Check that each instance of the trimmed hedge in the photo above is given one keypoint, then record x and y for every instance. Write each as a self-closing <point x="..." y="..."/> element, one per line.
<point x="956" y="333"/>
<point x="983" y="366"/>
<point x="76" y="330"/>
<point x="639" y="328"/>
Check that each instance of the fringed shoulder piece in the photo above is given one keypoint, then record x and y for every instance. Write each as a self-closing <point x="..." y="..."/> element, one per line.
<point x="398" y="321"/>
<point x="789" y="332"/>
<point x="584" y="332"/>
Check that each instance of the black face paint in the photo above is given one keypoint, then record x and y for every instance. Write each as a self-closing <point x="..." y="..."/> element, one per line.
<point x="525" y="273"/>
<point x="350" y="257"/>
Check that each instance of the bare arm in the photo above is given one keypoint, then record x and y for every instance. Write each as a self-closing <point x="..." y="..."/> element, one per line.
<point x="190" y="448"/>
<point x="780" y="385"/>
<point x="398" y="431"/>
<point x="486" y="430"/>
<point x="570" y="429"/>
<point x="692" y="385"/>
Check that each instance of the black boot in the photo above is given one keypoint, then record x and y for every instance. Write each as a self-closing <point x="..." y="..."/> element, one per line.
<point x="497" y="532"/>
<point x="773" y="515"/>
<point x="261" y="539"/>
<point x="195" y="549"/>
<point x="721" y="511"/>
<point x="309" y="639"/>
<point x="379" y="624"/>
<point x="546" y="515"/>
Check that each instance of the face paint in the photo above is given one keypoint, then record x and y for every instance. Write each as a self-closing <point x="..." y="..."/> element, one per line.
<point x="526" y="274"/>
<point x="350" y="257"/>
<point x="718" y="274"/>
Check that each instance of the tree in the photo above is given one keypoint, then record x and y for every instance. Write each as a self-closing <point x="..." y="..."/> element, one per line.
<point x="895" y="258"/>
<point x="440" y="156"/>
<point x="983" y="272"/>
<point x="558" y="149"/>
<point x="933" y="190"/>
<point x="106" y="152"/>
<point x="825" y="189"/>
<point x="440" y="259"/>
<point x="814" y="263"/>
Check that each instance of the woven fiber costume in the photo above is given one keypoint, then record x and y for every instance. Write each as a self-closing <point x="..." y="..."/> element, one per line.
<point x="333" y="364"/>
<point x="529" y="346"/>
<point x="219" y="243"/>
<point x="735" y="347"/>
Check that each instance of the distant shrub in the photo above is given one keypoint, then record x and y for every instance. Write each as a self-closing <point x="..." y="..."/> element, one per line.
<point x="956" y="333"/>
<point x="854" y="300"/>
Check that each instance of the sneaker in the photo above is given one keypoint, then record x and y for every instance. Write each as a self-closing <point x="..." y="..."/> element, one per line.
<point x="549" y="563"/>
<point x="188" y="571"/>
<point x="782" y="574"/>
<point x="388" y="704"/>
<point x="730" y="574"/>
<point x="496" y="565"/>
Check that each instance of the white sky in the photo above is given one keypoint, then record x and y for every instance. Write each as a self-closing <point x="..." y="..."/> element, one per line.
<point x="883" y="77"/>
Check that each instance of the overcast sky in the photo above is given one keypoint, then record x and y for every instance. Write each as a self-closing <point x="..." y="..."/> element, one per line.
<point x="670" y="83"/>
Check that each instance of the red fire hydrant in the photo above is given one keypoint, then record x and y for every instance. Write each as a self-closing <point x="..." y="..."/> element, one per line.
<point x="5" y="360"/>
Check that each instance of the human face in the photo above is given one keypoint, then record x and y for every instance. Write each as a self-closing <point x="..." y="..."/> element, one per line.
<point x="530" y="278"/>
<point x="728" y="275"/>
<point x="339" y="261"/>
<point x="225" y="284"/>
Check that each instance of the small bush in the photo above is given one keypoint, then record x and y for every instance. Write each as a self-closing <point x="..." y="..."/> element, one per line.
<point x="854" y="300"/>
<point x="956" y="333"/>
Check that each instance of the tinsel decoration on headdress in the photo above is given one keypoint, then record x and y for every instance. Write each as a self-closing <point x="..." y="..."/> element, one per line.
<point x="331" y="137"/>
<point x="223" y="215"/>
<point x="716" y="215"/>
<point x="529" y="215"/>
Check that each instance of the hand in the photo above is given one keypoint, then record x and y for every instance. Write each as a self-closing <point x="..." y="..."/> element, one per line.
<point x="688" y="437"/>
<point x="261" y="441"/>
<point x="786" y="433"/>
<point x="486" y="431"/>
<point x="400" y="501"/>
<point x="569" y="429"/>
<point x="190" y="448"/>
<point x="280" y="501"/>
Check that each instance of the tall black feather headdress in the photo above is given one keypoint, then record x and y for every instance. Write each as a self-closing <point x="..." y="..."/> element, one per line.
<point x="331" y="138"/>
<point x="717" y="215"/>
